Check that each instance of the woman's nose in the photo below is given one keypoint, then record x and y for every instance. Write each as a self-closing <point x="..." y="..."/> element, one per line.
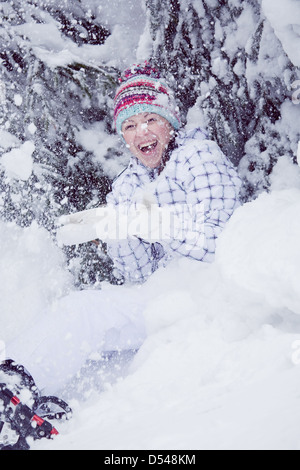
<point x="142" y="129"/>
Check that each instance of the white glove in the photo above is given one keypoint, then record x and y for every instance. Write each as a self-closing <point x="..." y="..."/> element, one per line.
<point x="89" y="216"/>
<point x="82" y="227"/>
<point x="75" y="234"/>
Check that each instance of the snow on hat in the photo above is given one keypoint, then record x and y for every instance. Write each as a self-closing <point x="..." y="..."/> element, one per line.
<point x="142" y="90"/>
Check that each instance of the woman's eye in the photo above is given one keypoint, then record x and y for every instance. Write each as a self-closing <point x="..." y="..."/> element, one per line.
<point x="129" y="127"/>
<point x="151" y="120"/>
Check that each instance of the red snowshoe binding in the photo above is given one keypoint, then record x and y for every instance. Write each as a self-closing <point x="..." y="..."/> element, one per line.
<point x="24" y="413"/>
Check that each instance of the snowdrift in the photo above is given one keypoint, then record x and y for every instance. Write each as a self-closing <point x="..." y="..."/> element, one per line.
<point x="32" y="276"/>
<point x="285" y="20"/>
<point x="264" y="255"/>
<point x="220" y="366"/>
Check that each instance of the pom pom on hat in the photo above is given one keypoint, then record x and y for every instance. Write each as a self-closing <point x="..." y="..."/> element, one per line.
<point x="142" y="90"/>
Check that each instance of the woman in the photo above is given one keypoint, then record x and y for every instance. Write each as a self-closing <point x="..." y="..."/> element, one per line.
<point x="169" y="168"/>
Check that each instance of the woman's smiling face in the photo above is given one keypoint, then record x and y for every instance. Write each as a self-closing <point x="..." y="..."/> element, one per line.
<point x="147" y="135"/>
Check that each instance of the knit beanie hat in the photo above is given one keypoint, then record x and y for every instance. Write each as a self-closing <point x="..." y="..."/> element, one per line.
<point x="141" y="91"/>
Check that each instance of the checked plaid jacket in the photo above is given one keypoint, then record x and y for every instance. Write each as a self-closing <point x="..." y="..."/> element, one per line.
<point x="202" y="186"/>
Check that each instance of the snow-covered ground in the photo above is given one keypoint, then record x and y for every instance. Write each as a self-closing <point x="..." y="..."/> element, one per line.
<point x="220" y="366"/>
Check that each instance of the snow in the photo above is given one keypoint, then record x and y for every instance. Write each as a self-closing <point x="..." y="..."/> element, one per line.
<point x="18" y="100"/>
<point x="285" y="20"/>
<point x="120" y="48"/>
<point x="8" y="140"/>
<point x="96" y="140"/>
<point x="18" y="163"/>
<point x="243" y="31"/>
<point x="268" y="250"/>
<point x="31" y="277"/>
<point x="127" y="42"/>
<point x="220" y="366"/>
<point x="32" y="128"/>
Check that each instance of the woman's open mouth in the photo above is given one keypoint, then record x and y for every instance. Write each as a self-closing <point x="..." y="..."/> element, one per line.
<point x="148" y="147"/>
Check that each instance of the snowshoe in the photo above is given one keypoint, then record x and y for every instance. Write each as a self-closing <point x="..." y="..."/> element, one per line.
<point x="24" y="413"/>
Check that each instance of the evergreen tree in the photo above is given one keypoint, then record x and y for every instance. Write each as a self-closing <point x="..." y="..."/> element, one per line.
<point x="48" y="106"/>
<point x="224" y="58"/>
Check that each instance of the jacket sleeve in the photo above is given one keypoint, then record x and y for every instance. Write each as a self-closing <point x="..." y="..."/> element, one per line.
<point x="134" y="259"/>
<point x="212" y="190"/>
